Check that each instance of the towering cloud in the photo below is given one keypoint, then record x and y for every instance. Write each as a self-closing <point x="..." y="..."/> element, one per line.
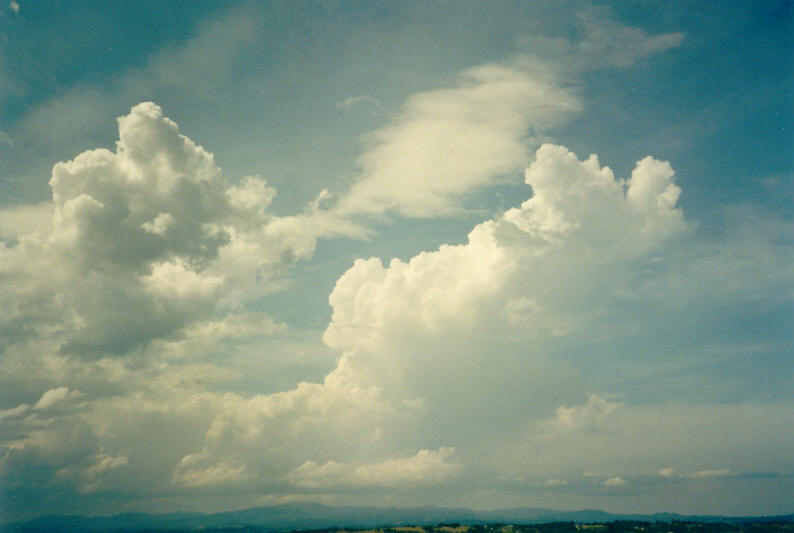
<point x="460" y="337"/>
<point x="142" y="242"/>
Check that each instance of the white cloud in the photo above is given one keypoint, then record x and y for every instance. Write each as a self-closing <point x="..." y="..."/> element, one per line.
<point x="55" y="396"/>
<point x="359" y="100"/>
<point x="94" y="478"/>
<point x="552" y="482"/>
<point x="622" y="46"/>
<point x="579" y="220"/>
<point x="148" y="253"/>
<point x="595" y="414"/>
<point x="22" y="220"/>
<point x="159" y="225"/>
<point x="14" y="6"/>
<point x="13" y="412"/>
<point x="701" y="474"/>
<point x="147" y="240"/>
<point x="426" y="467"/>
<point x="601" y="42"/>
<point x="710" y="473"/>
<point x="219" y="474"/>
<point x="448" y="142"/>
<point x="417" y="337"/>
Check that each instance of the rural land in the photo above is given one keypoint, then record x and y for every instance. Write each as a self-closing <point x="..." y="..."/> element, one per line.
<point x="317" y="518"/>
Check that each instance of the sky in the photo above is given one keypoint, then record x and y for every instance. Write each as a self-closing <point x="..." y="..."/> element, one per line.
<point x="480" y="254"/>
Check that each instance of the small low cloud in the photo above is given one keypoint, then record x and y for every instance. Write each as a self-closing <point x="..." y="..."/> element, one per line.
<point x="671" y="473"/>
<point x="14" y="6"/>
<point x="55" y="396"/>
<point x="426" y="467"/>
<point x="359" y="100"/>
<point x="14" y="411"/>
<point x="95" y="478"/>
<point x="710" y="473"/>
<point x="223" y="473"/>
<point x="552" y="482"/>
<point x="616" y="482"/>
<point x="593" y="415"/>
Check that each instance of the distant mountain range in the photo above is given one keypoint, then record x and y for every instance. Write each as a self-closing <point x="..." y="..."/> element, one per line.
<point x="308" y="516"/>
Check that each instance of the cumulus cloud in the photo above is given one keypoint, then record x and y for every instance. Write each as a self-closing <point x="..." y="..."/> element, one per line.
<point x="12" y="412"/>
<point x="149" y="251"/>
<point x="552" y="482"/>
<point x="701" y="474"/>
<point x="142" y="242"/>
<point x="426" y="467"/>
<point x="512" y="266"/>
<point x="417" y="337"/>
<point x="710" y="473"/>
<point x="465" y="336"/>
<point x="218" y="474"/>
<point x="55" y="396"/>
<point x="595" y="414"/>
<point x="93" y="478"/>
<point x="445" y="143"/>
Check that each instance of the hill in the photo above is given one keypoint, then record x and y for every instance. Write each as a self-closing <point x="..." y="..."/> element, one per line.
<point x="312" y="516"/>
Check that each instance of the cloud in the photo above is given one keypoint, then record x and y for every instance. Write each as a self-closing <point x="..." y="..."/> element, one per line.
<point x="701" y="474"/>
<point x="710" y="473"/>
<point x="55" y="396"/>
<point x="14" y="6"/>
<point x="147" y="240"/>
<point x="417" y="337"/>
<point x="593" y="415"/>
<point x="426" y="467"/>
<point x="94" y="477"/>
<point x="618" y="44"/>
<point x="219" y="474"/>
<point x="615" y="482"/>
<point x="552" y="482"/>
<point x="359" y="100"/>
<point x="446" y="143"/>
<point x="600" y="41"/>
<point x="12" y="412"/>
<point x="484" y="334"/>
<point x="578" y="213"/>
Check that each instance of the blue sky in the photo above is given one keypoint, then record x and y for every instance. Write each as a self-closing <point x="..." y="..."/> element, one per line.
<point x="360" y="252"/>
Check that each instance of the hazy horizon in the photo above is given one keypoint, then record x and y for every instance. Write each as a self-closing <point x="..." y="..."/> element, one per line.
<point x="454" y="253"/>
